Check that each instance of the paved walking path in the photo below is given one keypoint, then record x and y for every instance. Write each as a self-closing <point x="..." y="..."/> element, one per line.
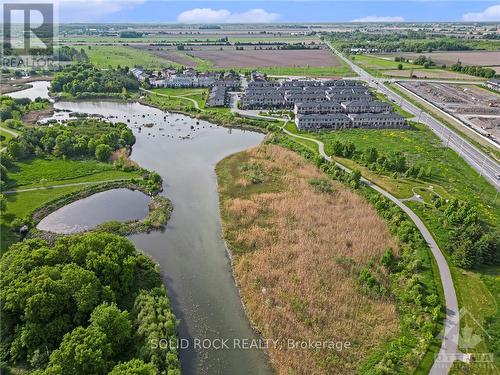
<point x="61" y="186"/>
<point x="195" y="103"/>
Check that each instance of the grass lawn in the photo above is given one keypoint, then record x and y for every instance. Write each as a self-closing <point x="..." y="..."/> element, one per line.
<point x="374" y="64"/>
<point x="53" y="171"/>
<point x="114" y="55"/>
<point x="308" y="71"/>
<point x="5" y="137"/>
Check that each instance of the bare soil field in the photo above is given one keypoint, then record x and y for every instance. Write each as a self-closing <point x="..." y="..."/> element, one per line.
<point x="297" y="252"/>
<point x="483" y="58"/>
<point x="476" y="107"/>
<point x="430" y="73"/>
<point x="268" y="58"/>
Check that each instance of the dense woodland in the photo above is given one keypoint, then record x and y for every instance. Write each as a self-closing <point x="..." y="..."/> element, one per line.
<point x="89" y="304"/>
<point x="77" y="138"/>
<point x="84" y="79"/>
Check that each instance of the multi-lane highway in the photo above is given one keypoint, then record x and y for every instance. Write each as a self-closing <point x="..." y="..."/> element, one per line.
<point x="477" y="159"/>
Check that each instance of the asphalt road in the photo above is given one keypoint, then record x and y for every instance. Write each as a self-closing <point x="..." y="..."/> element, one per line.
<point x="478" y="160"/>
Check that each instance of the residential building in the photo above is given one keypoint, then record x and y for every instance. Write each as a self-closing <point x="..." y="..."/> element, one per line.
<point x="372" y="106"/>
<point x="493" y="84"/>
<point x="322" y="121"/>
<point x="317" y="107"/>
<point x="377" y="120"/>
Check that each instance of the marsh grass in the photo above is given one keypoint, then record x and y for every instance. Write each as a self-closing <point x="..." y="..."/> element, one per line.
<point x="298" y="253"/>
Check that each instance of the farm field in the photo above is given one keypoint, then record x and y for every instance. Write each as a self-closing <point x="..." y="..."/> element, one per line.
<point x="287" y="289"/>
<point x="269" y="58"/>
<point x="194" y="38"/>
<point x="482" y="58"/>
<point x="103" y="56"/>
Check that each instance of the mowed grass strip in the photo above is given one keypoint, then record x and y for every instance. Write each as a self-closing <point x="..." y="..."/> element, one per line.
<point x="298" y="251"/>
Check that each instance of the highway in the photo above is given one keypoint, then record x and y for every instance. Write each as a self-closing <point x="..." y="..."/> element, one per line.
<point x="477" y="159"/>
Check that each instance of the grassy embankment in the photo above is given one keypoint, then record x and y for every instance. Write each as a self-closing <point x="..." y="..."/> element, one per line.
<point x="299" y="241"/>
<point x="451" y="178"/>
<point x="48" y="173"/>
<point x="454" y="125"/>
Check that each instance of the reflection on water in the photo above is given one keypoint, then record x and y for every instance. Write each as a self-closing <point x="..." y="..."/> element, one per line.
<point x="86" y="213"/>
<point x="190" y="251"/>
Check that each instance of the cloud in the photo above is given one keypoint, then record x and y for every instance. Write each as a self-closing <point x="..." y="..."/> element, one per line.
<point x="489" y="14"/>
<point x="209" y="15"/>
<point x="379" y="19"/>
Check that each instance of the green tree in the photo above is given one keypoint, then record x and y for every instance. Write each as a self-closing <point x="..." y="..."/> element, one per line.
<point x="134" y="367"/>
<point x="103" y="152"/>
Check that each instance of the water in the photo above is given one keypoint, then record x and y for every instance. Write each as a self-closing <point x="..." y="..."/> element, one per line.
<point x="191" y="253"/>
<point x="87" y="213"/>
<point x="39" y="89"/>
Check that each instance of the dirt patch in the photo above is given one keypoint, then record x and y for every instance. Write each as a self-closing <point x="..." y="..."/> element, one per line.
<point x="33" y="117"/>
<point x="268" y="58"/>
<point x="474" y="106"/>
<point x="298" y="251"/>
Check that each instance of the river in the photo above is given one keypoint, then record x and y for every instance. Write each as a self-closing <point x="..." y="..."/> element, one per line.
<point x="190" y="252"/>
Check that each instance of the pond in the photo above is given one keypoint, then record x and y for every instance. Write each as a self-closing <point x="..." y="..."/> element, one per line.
<point x="190" y="252"/>
<point x="39" y="89"/>
<point x="87" y="213"/>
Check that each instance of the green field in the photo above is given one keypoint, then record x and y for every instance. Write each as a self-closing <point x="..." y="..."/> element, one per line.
<point x="115" y="55"/>
<point x="385" y="67"/>
<point x="307" y="71"/>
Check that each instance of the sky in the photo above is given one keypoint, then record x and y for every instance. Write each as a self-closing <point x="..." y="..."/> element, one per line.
<point x="240" y="11"/>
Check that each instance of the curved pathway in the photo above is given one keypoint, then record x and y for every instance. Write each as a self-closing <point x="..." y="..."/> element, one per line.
<point x="62" y="186"/>
<point x="449" y="348"/>
<point x="195" y="103"/>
